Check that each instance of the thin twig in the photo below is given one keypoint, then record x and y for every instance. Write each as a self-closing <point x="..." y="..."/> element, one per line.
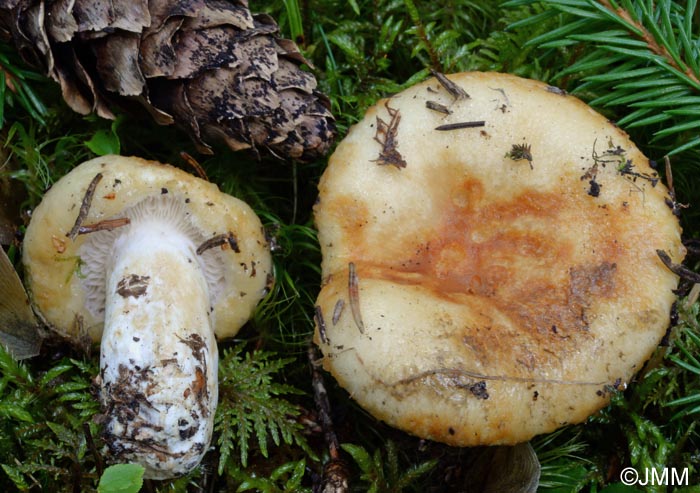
<point x="338" y="310"/>
<point x="680" y="270"/>
<point x="218" y="240"/>
<point x="458" y="125"/>
<point x="85" y="206"/>
<point x="34" y="480"/>
<point x="99" y="465"/>
<point x="335" y="477"/>
<point x="106" y="225"/>
<point x="669" y="177"/>
<point x="440" y="108"/>
<point x="387" y="136"/>
<point x="454" y="90"/>
<point x="318" y="316"/>
<point x="354" y="295"/>
<point x="195" y="164"/>
<point x="671" y="200"/>
<point x="459" y="375"/>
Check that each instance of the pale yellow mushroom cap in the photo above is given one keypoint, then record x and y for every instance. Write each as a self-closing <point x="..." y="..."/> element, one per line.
<point x="507" y="278"/>
<point x="55" y="264"/>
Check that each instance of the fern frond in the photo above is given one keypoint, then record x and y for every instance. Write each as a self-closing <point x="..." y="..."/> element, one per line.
<point x="253" y="409"/>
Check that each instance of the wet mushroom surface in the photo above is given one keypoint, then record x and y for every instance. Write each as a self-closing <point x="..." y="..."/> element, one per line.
<point x="491" y="266"/>
<point x="156" y="265"/>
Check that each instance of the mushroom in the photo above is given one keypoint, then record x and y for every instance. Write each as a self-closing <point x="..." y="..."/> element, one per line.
<point x="156" y="264"/>
<point x="490" y="267"/>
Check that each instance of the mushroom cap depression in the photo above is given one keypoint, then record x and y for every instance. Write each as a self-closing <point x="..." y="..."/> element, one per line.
<point x="490" y="266"/>
<point x="65" y="278"/>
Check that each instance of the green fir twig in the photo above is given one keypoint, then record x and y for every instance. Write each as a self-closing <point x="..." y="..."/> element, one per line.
<point x="640" y="57"/>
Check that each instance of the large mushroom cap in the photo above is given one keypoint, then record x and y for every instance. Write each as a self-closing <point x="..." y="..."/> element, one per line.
<point x="484" y="282"/>
<point x="59" y="270"/>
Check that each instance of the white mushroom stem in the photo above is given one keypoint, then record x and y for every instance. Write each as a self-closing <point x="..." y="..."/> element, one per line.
<point x="159" y="357"/>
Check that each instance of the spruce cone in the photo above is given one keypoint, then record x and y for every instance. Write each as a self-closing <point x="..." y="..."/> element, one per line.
<point x="209" y="66"/>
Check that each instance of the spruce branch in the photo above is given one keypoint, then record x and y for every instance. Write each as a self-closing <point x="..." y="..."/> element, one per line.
<point x="562" y="455"/>
<point x="638" y="58"/>
<point x="657" y="43"/>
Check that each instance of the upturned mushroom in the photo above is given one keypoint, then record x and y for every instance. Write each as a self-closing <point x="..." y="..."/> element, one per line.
<point x="156" y="264"/>
<point x="491" y="266"/>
